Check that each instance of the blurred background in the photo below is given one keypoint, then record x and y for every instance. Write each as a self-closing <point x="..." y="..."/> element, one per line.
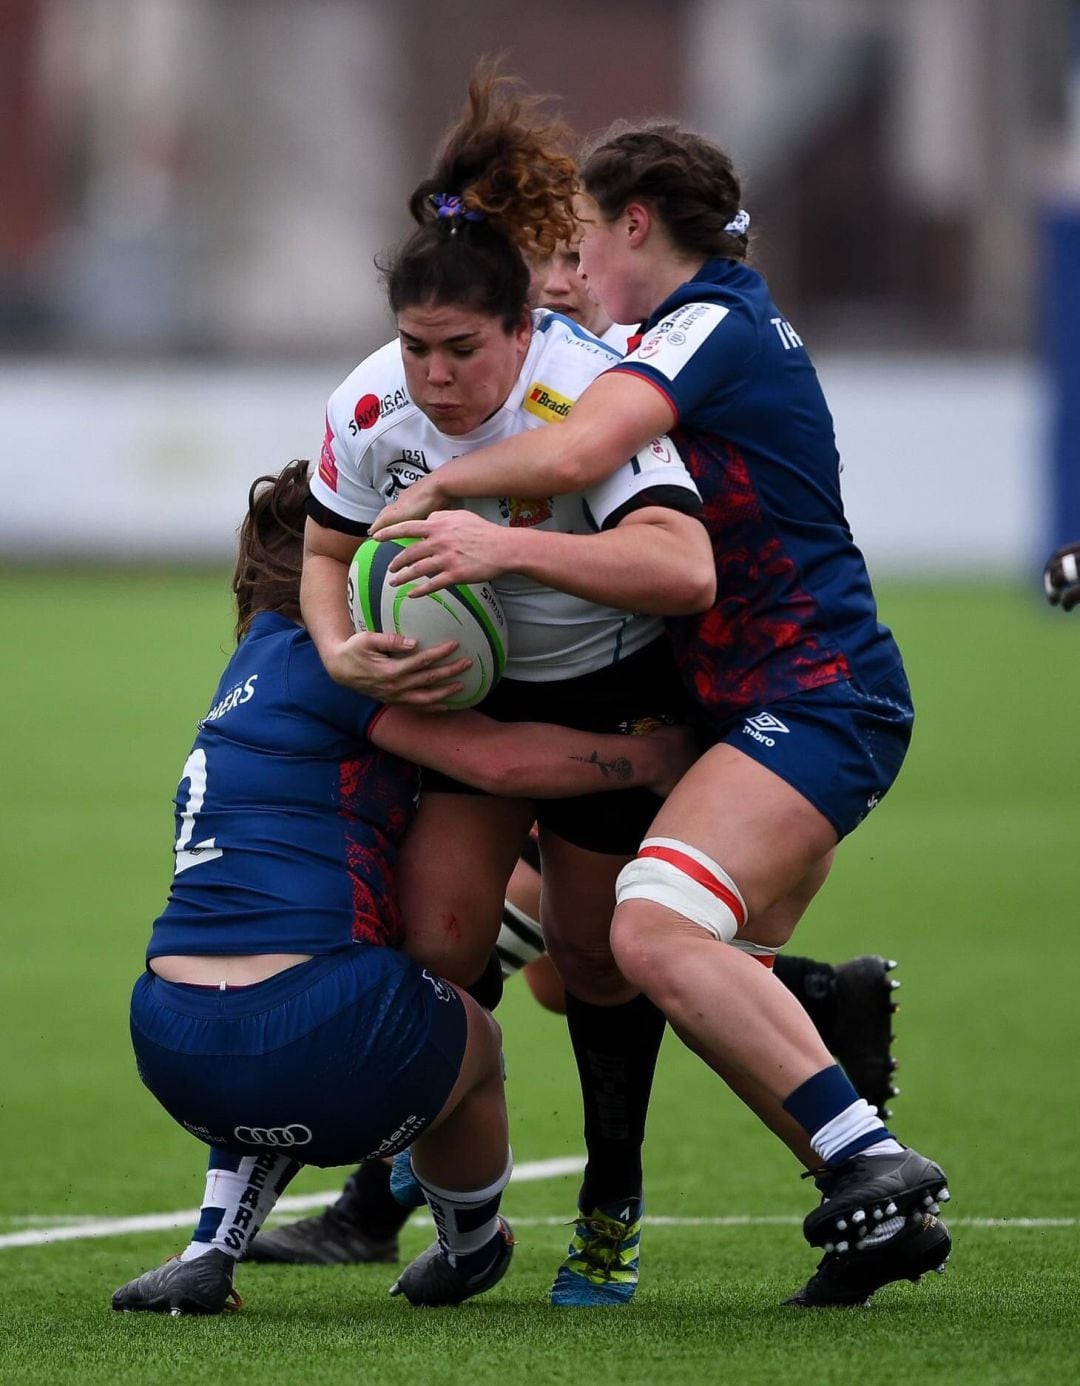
<point x="195" y="191"/>
<point x="193" y="194"/>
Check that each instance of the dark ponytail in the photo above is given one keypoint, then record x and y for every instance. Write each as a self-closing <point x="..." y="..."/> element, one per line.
<point x="688" y="181"/>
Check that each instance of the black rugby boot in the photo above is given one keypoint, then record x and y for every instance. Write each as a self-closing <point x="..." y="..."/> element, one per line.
<point x="202" y="1286"/>
<point x="860" y="1196"/>
<point x="431" y="1281"/>
<point x="848" y="1281"/>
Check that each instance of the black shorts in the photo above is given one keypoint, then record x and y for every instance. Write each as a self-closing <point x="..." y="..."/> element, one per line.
<point x="620" y="698"/>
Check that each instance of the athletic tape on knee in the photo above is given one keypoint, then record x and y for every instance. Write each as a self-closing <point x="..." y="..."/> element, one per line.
<point x="685" y="880"/>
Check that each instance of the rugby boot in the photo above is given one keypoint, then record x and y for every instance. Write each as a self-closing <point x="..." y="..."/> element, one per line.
<point x="859" y="1196"/>
<point x="860" y="1035"/>
<point x="202" y="1286"/>
<point x="601" y="1266"/>
<point x="847" y="1281"/>
<point x="327" y="1239"/>
<point x="404" y="1184"/>
<point x="432" y="1280"/>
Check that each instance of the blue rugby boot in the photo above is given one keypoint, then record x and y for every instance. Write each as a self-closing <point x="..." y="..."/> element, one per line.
<point x="404" y="1184"/>
<point x="601" y="1266"/>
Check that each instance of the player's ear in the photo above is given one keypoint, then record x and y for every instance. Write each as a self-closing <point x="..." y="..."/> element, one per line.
<point x="638" y="220"/>
<point x="522" y="332"/>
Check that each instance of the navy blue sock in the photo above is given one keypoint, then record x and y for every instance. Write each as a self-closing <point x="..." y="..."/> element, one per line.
<point x="838" y="1121"/>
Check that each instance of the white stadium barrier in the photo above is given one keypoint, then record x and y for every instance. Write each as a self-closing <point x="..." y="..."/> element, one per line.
<point x="944" y="459"/>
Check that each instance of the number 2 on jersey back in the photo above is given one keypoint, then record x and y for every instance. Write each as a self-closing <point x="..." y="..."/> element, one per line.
<point x="195" y="773"/>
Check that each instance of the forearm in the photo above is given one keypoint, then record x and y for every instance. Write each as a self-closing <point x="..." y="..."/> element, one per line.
<point x="530" y="760"/>
<point x="533" y="465"/>
<point x="323" y="602"/>
<point x="663" y="567"/>
<point x="615" y="416"/>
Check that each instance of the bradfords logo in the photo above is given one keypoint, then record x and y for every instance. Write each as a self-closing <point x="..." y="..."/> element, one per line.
<point x="764" y="728"/>
<point x="327" y="460"/>
<point x="370" y="409"/>
<point x="546" y="404"/>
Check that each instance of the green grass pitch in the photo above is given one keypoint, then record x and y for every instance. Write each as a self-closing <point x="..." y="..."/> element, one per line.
<point x="969" y="874"/>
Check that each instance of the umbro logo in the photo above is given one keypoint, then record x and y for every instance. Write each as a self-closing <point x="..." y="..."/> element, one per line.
<point x="766" y="722"/>
<point x="764" y="727"/>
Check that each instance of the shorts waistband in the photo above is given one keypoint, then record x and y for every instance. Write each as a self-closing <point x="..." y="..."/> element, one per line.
<point x="249" y="1000"/>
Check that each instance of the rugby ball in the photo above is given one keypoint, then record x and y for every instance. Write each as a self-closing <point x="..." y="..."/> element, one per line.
<point x="468" y="612"/>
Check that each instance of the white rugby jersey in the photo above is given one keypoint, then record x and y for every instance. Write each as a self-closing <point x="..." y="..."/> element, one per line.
<point x="378" y="442"/>
<point x="617" y="336"/>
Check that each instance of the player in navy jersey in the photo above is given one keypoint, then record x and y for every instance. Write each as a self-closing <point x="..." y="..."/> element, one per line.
<point x="275" y="1020"/>
<point x="797" y="689"/>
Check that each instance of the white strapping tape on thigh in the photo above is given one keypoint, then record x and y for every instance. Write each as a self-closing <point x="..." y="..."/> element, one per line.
<point x="684" y="879"/>
<point x="756" y="950"/>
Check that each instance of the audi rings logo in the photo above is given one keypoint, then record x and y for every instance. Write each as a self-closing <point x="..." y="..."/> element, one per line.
<point x="273" y="1135"/>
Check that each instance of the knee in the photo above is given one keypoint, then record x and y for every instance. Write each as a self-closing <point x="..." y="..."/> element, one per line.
<point x="451" y="951"/>
<point x="639" y="947"/>
<point x="589" y="971"/>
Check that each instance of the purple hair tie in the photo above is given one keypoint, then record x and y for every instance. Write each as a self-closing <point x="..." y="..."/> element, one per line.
<point x="450" y="205"/>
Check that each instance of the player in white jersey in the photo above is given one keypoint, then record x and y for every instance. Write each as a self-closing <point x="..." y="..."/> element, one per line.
<point x="558" y="284"/>
<point x="473" y="365"/>
<point x="379" y="440"/>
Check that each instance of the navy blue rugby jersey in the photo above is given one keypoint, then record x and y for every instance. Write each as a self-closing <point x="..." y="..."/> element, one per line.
<point x="794" y="608"/>
<point x="288" y="819"/>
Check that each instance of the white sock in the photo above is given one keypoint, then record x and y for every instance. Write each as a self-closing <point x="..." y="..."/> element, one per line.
<point x="238" y="1200"/>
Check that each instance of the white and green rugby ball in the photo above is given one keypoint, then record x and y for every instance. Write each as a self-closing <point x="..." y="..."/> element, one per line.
<point x="468" y="612"/>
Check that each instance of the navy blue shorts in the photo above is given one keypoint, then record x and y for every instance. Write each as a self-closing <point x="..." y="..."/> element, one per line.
<point x="839" y="747"/>
<point x="347" y="1056"/>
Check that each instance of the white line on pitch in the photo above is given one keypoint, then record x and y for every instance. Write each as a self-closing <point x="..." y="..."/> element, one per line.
<point x="529" y="1172"/>
<point x="70" y="1230"/>
<point x="750" y="1220"/>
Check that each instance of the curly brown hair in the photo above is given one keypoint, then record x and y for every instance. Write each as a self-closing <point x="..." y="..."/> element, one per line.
<point x="689" y="182"/>
<point x="507" y="167"/>
<point x="271" y="549"/>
